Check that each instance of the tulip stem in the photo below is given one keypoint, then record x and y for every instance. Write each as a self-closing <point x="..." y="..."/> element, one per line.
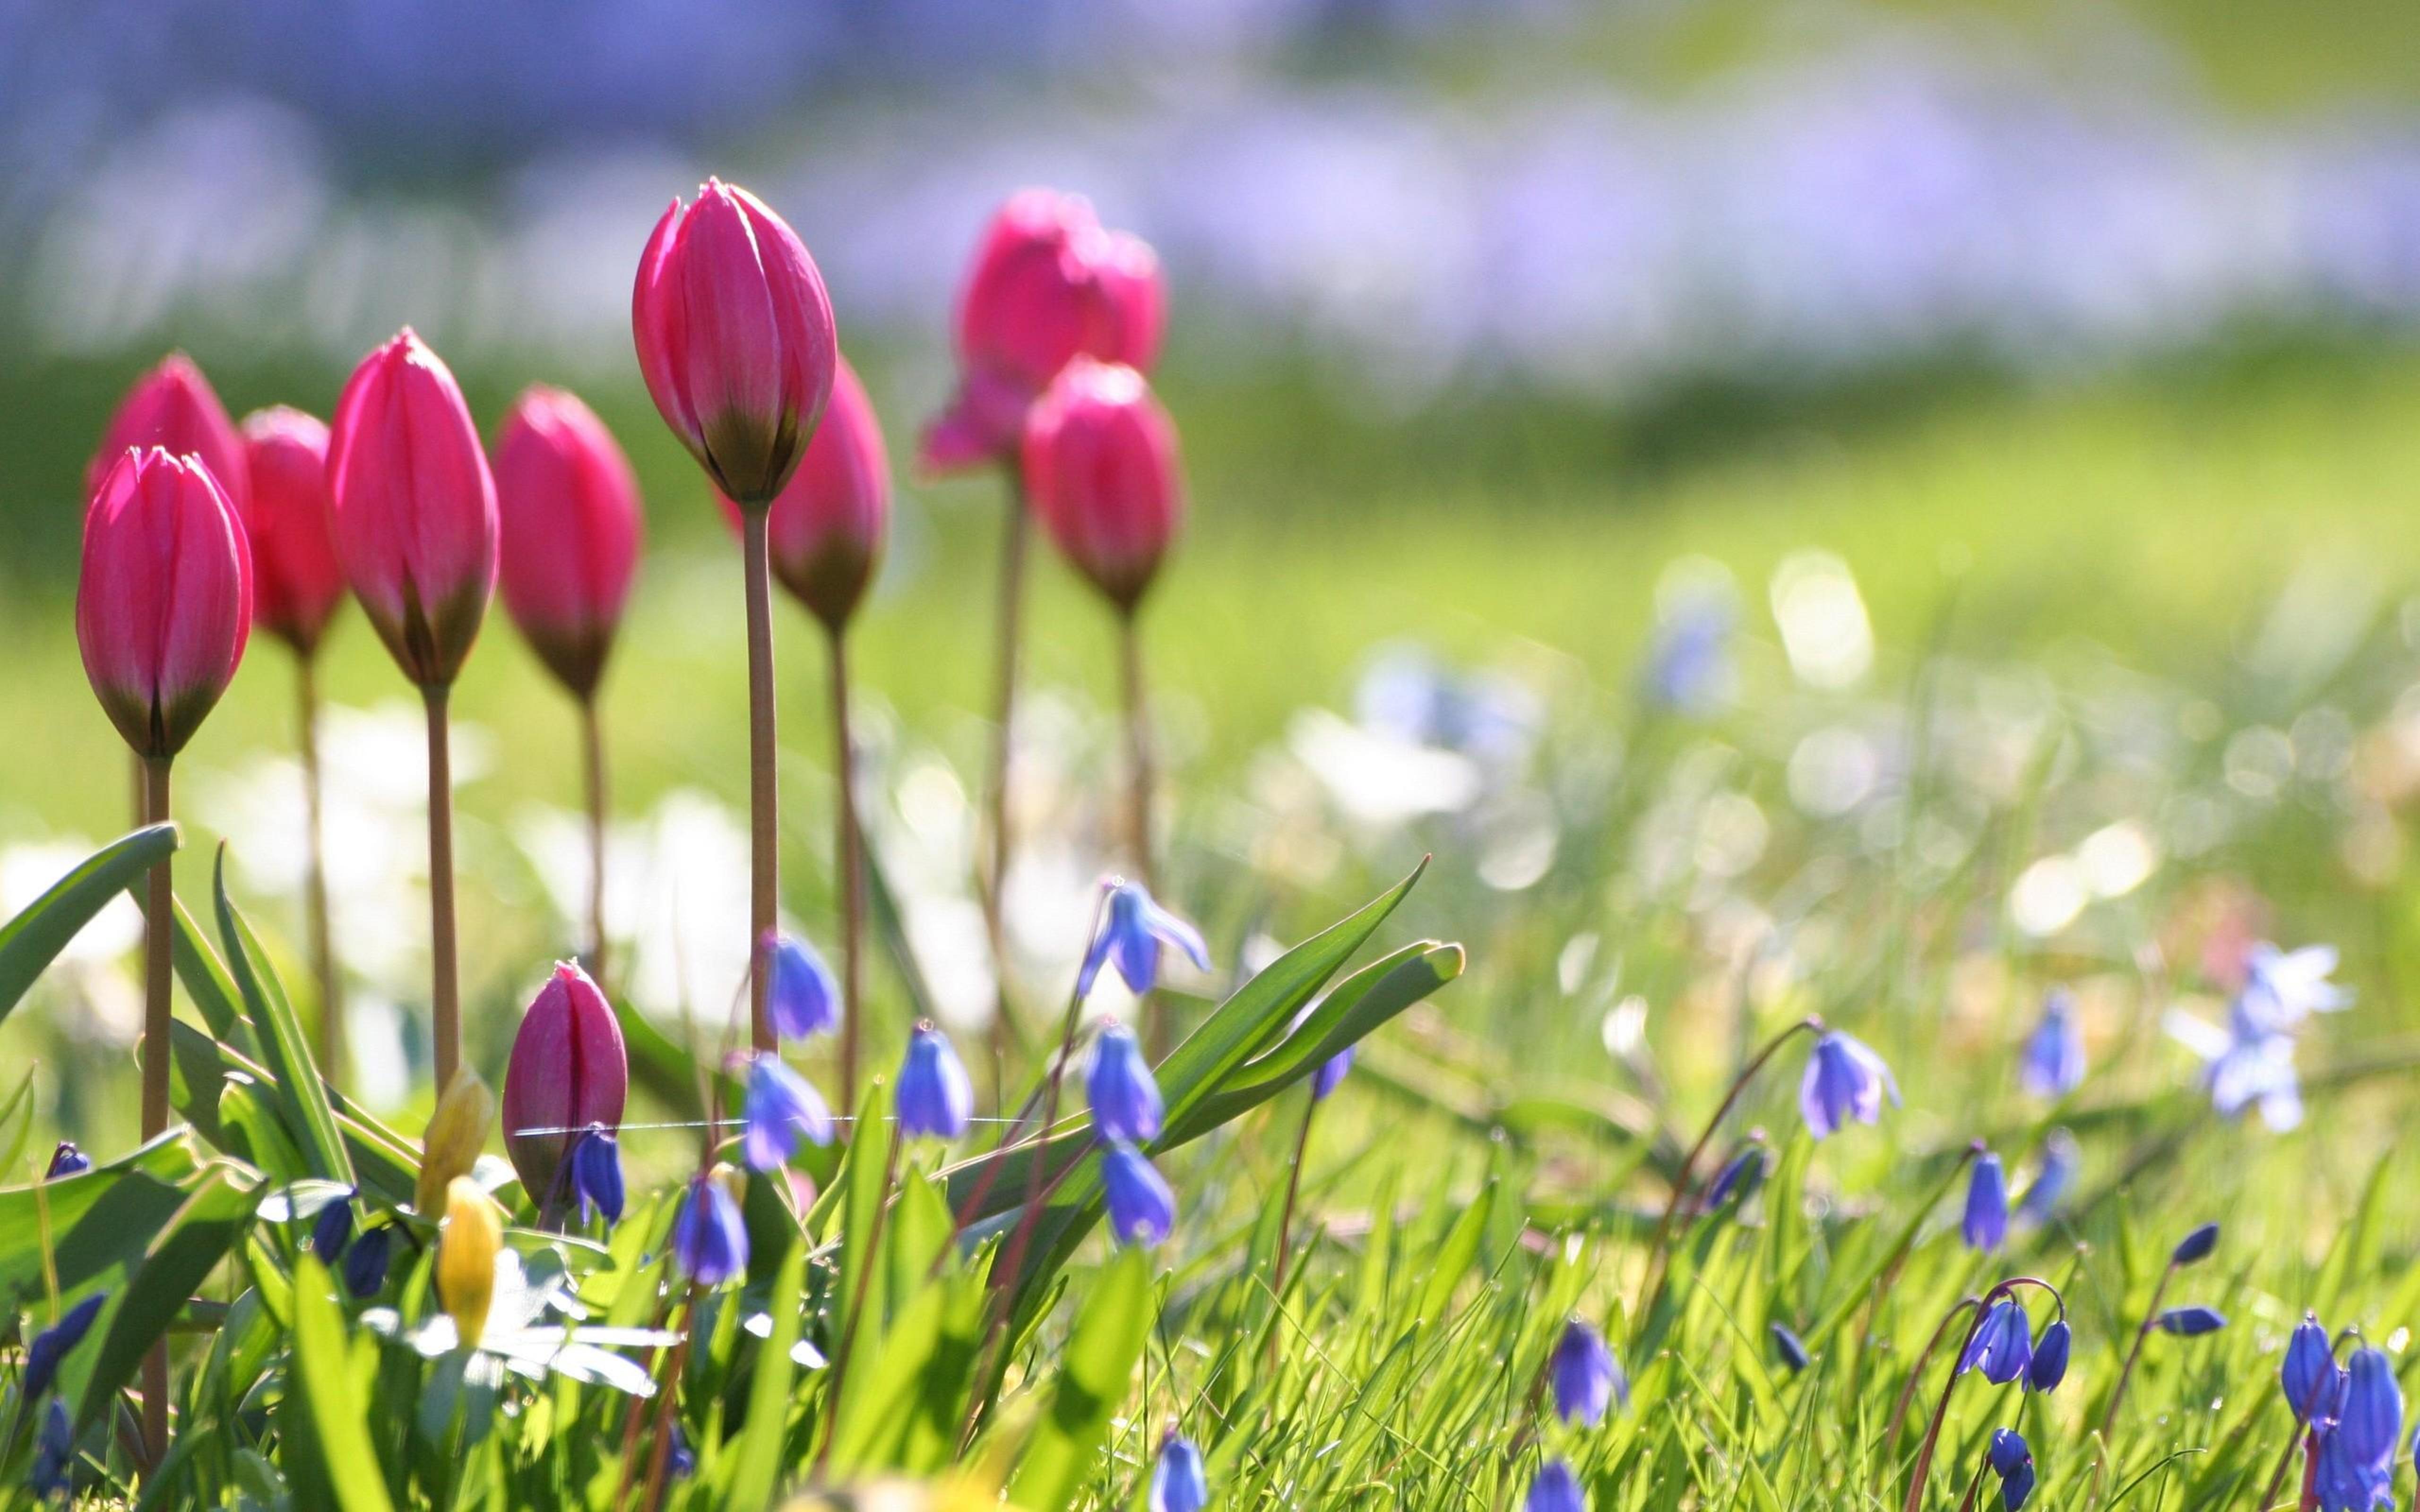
<point x="1652" y="1284"/>
<point x="1154" y="1012"/>
<point x="764" y="830"/>
<point x="850" y="865"/>
<point x="592" y="747"/>
<point x="332" y="1064"/>
<point x="993" y="879"/>
<point x="445" y="994"/>
<point x="159" y="932"/>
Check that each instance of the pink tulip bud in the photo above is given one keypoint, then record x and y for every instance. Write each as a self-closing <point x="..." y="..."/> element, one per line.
<point x="164" y="601"/>
<point x="1138" y="293"/>
<point x="173" y="407"/>
<point x="1101" y="469"/>
<point x="571" y="525"/>
<point x="568" y="1071"/>
<point x="414" y="511"/>
<point x="1049" y="285"/>
<point x="736" y="339"/>
<point x="296" y="583"/>
<point x="829" y="523"/>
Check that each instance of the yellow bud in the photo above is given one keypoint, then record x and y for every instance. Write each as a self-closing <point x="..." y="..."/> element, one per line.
<point x="467" y="1243"/>
<point x="457" y="1132"/>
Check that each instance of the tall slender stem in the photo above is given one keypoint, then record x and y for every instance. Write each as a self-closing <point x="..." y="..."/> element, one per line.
<point x="592" y="749"/>
<point x="1915" y="1373"/>
<point x="333" y="1054"/>
<point x="159" y="933"/>
<point x="1139" y="787"/>
<point x="1652" y="1284"/>
<point x="1982" y="1306"/>
<point x="993" y="880"/>
<point x="445" y="994"/>
<point x="764" y="830"/>
<point x="1293" y="1188"/>
<point x="850" y="865"/>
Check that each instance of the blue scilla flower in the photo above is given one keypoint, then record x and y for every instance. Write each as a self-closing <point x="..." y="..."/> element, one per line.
<point x="2014" y="1462"/>
<point x="1555" y="1489"/>
<point x="1585" y="1375"/>
<point x="780" y="1108"/>
<point x="2062" y="1158"/>
<point x="2371" y="1415"/>
<point x="366" y="1259"/>
<point x="936" y="1098"/>
<point x="2003" y="1345"/>
<point x="2245" y="1065"/>
<point x="66" y="1161"/>
<point x="680" y="1460"/>
<point x="1130" y="939"/>
<point x="333" y="1228"/>
<point x="1789" y="1346"/>
<point x="1142" y="1210"/>
<point x="53" y="1473"/>
<point x="1688" y="667"/>
<point x="2052" y="1065"/>
<point x="1739" y="1177"/>
<point x="1844" y="1080"/>
<point x="2282" y="988"/>
<point x="1125" y="1097"/>
<point x="709" y="1239"/>
<point x="802" y="999"/>
<point x="2342" y="1481"/>
<point x="1178" y="1482"/>
<point x="1985" y="1224"/>
<point x="1331" y="1074"/>
<point x="2190" y="1321"/>
<point x="2049" y="1366"/>
<point x="597" y="1174"/>
<point x="2195" y="1245"/>
<point x="52" y="1345"/>
<point x="2308" y="1374"/>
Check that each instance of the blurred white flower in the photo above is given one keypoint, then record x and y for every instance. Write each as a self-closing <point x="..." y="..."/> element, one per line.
<point x="1822" y="618"/>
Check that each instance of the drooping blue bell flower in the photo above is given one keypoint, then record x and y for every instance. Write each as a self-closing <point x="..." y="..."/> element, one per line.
<point x="2308" y="1373"/>
<point x="1585" y="1376"/>
<point x="52" y="1476"/>
<point x="1739" y="1177"/>
<point x="2052" y="1063"/>
<point x="1124" y="1096"/>
<point x="936" y="1098"/>
<point x="66" y="1161"/>
<point x="1142" y="1210"/>
<point x="1555" y="1489"/>
<point x="2003" y="1345"/>
<point x="1789" y="1346"/>
<point x="597" y="1174"/>
<point x="2014" y="1462"/>
<point x="1178" y="1481"/>
<point x="2048" y="1367"/>
<point x="2370" y="1416"/>
<point x="51" y="1346"/>
<point x="1985" y="1224"/>
<point x="333" y="1228"/>
<point x="1844" y="1080"/>
<point x="780" y="1109"/>
<point x="1130" y="939"/>
<point x="366" y="1259"/>
<point x="2282" y="988"/>
<point x="710" y="1238"/>
<point x="802" y="998"/>
<point x="2062" y="1158"/>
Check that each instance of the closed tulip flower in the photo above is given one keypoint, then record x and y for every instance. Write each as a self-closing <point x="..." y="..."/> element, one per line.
<point x="1101" y="468"/>
<point x="1048" y="285"/>
<point x="174" y="408"/>
<point x="415" y="507"/>
<point x="568" y="508"/>
<point x="164" y="602"/>
<point x="735" y="337"/>
<point x="569" y="1071"/>
<point x="829" y="520"/>
<point x="296" y="581"/>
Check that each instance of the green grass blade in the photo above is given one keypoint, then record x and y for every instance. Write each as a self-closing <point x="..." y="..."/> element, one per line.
<point x="1091" y="1385"/>
<point x="302" y="1096"/>
<point x="30" y="941"/>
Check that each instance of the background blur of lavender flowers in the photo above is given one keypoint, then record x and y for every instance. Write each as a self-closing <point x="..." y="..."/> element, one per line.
<point x="1410" y="194"/>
